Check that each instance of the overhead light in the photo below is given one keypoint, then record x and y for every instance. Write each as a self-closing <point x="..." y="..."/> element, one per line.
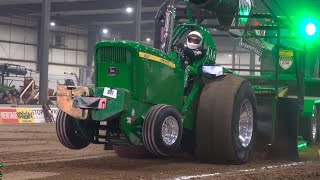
<point x="148" y="39"/>
<point x="105" y="31"/>
<point x="52" y="23"/>
<point x="129" y="9"/>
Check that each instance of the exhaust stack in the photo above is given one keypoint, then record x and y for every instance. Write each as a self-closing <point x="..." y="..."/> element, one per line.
<point x="226" y="10"/>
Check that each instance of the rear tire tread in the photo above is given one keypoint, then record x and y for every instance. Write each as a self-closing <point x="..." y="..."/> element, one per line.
<point x="148" y="126"/>
<point x="217" y="123"/>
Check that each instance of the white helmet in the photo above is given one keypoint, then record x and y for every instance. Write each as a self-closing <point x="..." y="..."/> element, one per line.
<point x="194" y="40"/>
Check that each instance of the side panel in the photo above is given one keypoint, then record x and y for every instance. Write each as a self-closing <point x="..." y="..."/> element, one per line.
<point x="164" y="82"/>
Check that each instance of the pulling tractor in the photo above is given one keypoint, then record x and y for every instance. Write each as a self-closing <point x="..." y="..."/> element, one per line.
<point x="139" y="105"/>
<point x="10" y="70"/>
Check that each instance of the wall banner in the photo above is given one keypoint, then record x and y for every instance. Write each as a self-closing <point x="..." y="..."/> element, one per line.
<point x="9" y="115"/>
<point x="25" y="115"/>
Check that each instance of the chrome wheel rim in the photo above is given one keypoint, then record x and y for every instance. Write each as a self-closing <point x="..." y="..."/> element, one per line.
<point x="246" y="123"/>
<point x="314" y="129"/>
<point x="170" y="130"/>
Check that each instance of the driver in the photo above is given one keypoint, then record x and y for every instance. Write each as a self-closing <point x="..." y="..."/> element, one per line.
<point x="193" y="50"/>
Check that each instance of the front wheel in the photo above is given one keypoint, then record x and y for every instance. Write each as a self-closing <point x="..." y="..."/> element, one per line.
<point x="71" y="131"/>
<point x="162" y="130"/>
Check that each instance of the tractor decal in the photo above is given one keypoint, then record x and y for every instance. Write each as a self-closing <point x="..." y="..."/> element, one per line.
<point x="286" y="59"/>
<point x="157" y="59"/>
<point x="252" y="44"/>
<point x="283" y="92"/>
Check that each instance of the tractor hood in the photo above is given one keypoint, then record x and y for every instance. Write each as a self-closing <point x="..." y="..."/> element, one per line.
<point x="144" y="72"/>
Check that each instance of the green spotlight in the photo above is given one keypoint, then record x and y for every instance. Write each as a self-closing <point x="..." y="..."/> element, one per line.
<point x="311" y="29"/>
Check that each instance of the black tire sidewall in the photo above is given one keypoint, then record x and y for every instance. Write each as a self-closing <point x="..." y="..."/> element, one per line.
<point x="243" y="154"/>
<point x="73" y="131"/>
<point x="68" y="136"/>
<point x="159" y="120"/>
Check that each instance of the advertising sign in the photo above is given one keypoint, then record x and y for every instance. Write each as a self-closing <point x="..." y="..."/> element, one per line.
<point x="25" y="115"/>
<point x="9" y="115"/>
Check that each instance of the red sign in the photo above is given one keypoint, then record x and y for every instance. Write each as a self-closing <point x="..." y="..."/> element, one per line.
<point x="9" y="116"/>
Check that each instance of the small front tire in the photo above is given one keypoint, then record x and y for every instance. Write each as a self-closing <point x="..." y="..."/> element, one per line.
<point x="162" y="130"/>
<point x="69" y="133"/>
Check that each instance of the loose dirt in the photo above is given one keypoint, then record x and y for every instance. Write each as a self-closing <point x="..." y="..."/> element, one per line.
<point x="32" y="151"/>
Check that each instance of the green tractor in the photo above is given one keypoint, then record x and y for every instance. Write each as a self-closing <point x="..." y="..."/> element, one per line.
<point x="140" y="106"/>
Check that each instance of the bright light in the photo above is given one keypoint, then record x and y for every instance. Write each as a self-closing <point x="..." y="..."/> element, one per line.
<point x="105" y="31"/>
<point x="311" y="29"/>
<point x="148" y="39"/>
<point x="52" y="23"/>
<point x="129" y="10"/>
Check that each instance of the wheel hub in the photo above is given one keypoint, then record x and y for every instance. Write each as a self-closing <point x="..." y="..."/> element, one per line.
<point x="246" y="123"/>
<point x="170" y="130"/>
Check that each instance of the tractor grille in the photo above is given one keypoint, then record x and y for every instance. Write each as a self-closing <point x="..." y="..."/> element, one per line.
<point x="116" y="55"/>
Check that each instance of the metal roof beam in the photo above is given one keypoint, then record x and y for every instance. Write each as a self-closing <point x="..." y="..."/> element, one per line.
<point x="120" y="22"/>
<point x="98" y="12"/>
<point x="16" y="2"/>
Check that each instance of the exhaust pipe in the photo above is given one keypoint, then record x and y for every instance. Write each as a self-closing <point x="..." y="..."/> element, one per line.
<point x="225" y="9"/>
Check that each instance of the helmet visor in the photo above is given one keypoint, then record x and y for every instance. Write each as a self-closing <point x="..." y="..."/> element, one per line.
<point x="194" y="40"/>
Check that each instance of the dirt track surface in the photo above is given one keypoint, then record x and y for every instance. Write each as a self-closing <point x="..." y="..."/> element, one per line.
<point x="33" y="151"/>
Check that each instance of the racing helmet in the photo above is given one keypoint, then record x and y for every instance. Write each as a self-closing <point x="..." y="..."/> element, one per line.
<point x="194" y="40"/>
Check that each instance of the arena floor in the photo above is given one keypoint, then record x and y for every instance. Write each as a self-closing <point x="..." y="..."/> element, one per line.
<point x="32" y="151"/>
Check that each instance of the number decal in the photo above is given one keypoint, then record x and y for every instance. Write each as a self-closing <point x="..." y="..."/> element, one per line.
<point x="110" y="92"/>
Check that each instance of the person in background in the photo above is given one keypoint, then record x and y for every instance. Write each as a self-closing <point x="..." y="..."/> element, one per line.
<point x="3" y="96"/>
<point x="15" y="95"/>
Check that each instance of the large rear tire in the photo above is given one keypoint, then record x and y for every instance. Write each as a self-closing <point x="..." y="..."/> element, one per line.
<point x="162" y="130"/>
<point x="69" y="133"/>
<point x="226" y="121"/>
